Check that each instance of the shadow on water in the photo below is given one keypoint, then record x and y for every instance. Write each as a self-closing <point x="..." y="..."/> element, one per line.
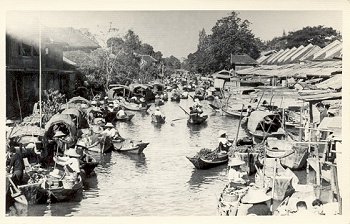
<point x="200" y="177"/>
<point x="139" y="159"/>
<point x="197" y="127"/>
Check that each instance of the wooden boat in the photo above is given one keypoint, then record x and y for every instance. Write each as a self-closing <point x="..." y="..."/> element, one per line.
<point x="89" y="165"/>
<point x="66" y="123"/>
<point x="213" y="106"/>
<point x="196" y="119"/>
<point x="158" y="119"/>
<point x="206" y="159"/>
<point x="158" y="102"/>
<point x="292" y="155"/>
<point x="182" y="96"/>
<point x="135" y="107"/>
<point x="229" y="200"/>
<point x="128" y="117"/>
<point x="105" y="145"/>
<point x="203" y="164"/>
<point x="175" y="98"/>
<point x="132" y="148"/>
<point x="62" y="190"/>
<point x="234" y="113"/>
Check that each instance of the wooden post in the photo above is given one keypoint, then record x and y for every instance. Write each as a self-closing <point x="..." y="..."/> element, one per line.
<point x="335" y="177"/>
<point x="318" y="170"/>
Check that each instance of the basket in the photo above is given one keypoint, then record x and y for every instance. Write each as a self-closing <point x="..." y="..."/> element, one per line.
<point x="68" y="183"/>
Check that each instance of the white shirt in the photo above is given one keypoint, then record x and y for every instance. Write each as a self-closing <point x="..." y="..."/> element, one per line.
<point x="121" y="113"/>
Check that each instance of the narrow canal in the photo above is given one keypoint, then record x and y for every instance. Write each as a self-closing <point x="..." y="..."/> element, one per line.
<point x="161" y="181"/>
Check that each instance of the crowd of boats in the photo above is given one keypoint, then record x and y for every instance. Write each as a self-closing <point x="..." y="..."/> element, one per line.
<point x="59" y="156"/>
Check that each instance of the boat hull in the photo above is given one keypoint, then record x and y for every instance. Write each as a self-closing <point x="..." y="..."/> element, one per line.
<point x="197" y="119"/>
<point x="138" y="149"/>
<point x="203" y="164"/>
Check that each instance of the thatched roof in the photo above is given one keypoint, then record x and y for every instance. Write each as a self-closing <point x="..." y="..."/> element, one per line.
<point x="243" y="59"/>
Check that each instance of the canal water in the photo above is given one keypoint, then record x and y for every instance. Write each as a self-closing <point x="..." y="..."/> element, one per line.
<point x="161" y="181"/>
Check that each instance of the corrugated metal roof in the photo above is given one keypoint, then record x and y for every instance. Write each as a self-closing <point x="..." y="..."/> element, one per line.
<point x="281" y="55"/>
<point x="300" y="48"/>
<point x="326" y="48"/>
<point x="274" y="56"/>
<point x="310" y="53"/>
<point x="334" y="82"/>
<point x="291" y="51"/>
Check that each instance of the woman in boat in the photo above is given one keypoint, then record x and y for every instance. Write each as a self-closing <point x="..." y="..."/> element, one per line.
<point x="237" y="178"/>
<point x="142" y="102"/>
<point x="59" y="138"/>
<point x="70" y="163"/>
<point x="16" y="165"/>
<point x="110" y="131"/>
<point x="224" y="144"/>
<point x="121" y="113"/>
<point x="157" y="113"/>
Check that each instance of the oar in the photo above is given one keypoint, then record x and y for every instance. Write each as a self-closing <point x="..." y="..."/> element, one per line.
<point x="239" y="124"/>
<point x="18" y="196"/>
<point x="184" y="110"/>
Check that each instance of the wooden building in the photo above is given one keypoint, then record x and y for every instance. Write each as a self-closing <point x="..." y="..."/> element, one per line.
<point x="22" y="67"/>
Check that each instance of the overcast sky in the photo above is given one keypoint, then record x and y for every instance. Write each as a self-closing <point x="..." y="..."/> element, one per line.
<point x="176" y="32"/>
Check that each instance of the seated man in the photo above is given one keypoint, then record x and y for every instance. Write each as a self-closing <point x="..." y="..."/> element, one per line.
<point x="224" y="144"/>
<point x="70" y="163"/>
<point x="157" y="112"/>
<point x="121" y="113"/>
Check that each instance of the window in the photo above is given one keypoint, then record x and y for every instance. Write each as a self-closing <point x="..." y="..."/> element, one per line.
<point x="26" y="50"/>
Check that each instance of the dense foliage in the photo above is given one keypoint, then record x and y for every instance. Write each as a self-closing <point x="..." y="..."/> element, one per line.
<point x="230" y="35"/>
<point x="122" y="61"/>
<point x="317" y="35"/>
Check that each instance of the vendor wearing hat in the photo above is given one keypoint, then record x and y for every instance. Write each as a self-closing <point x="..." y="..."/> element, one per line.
<point x="121" y="113"/>
<point x="235" y="173"/>
<point x="60" y="141"/>
<point x="110" y="131"/>
<point x="157" y="112"/>
<point x="70" y="162"/>
<point x="224" y="144"/>
<point x="143" y="102"/>
<point x="16" y="165"/>
<point x="259" y="201"/>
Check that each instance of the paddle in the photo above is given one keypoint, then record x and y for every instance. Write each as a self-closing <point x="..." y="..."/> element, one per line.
<point x="184" y="110"/>
<point x="18" y="196"/>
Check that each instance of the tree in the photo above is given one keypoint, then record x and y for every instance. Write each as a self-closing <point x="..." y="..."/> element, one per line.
<point x="229" y="35"/>
<point x="317" y="35"/>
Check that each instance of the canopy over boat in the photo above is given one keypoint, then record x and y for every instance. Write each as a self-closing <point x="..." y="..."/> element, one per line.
<point x="264" y="120"/>
<point x="118" y="91"/>
<point x="78" y="114"/>
<point x="64" y="120"/>
<point x="79" y="99"/>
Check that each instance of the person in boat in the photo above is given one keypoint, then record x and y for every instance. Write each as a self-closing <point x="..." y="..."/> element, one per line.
<point x="158" y="113"/>
<point x="249" y="110"/>
<point x="224" y="143"/>
<point x="9" y="126"/>
<point x="121" y="113"/>
<point x="82" y="150"/>
<point x="142" y="102"/>
<point x="235" y="175"/>
<point x="110" y="131"/>
<point x="217" y="102"/>
<point x="110" y="107"/>
<point x="197" y="106"/>
<point x="259" y="201"/>
<point x="70" y="163"/>
<point x="16" y="165"/>
<point x="61" y="142"/>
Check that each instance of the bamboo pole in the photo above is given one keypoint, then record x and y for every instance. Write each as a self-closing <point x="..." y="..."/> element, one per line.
<point x="19" y="103"/>
<point x="40" y="71"/>
<point x="273" y="183"/>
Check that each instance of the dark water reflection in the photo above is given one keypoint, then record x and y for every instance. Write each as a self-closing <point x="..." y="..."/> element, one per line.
<point x="159" y="182"/>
